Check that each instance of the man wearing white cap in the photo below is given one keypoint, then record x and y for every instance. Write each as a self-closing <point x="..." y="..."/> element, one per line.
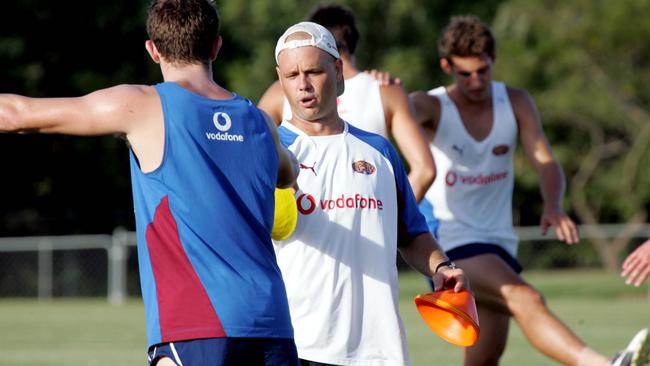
<point x="366" y="102"/>
<point x="356" y="209"/>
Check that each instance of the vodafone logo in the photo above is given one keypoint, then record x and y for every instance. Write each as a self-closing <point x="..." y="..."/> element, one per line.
<point x="480" y="179"/>
<point x="217" y="119"/>
<point x="451" y="178"/>
<point x="307" y="203"/>
<point x="307" y="207"/>
<point x="222" y="122"/>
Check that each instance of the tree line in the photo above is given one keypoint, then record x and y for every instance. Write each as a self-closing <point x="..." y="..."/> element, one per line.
<point x="584" y="62"/>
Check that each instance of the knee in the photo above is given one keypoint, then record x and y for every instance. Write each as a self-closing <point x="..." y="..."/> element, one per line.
<point x="524" y="298"/>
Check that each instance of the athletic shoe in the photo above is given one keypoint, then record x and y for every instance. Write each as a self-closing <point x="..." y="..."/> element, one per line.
<point x="637" y="352"/>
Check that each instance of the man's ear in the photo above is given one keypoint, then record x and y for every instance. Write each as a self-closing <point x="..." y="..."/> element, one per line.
<point x="152" y="50"/>
<point x="216" y="46"/>
<point x="340" y="81"/>
<point x="445" y="65"/>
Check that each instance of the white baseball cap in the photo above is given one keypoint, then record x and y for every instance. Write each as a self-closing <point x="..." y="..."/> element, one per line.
<point x="320" y="37"/>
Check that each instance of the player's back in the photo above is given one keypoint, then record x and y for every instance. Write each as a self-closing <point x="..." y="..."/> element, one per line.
<point x="204" y="219"/>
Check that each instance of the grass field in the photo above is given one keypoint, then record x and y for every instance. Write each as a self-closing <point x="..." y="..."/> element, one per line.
<point x="598" y="307"/>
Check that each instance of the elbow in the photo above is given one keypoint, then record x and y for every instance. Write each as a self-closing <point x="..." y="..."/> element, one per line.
<point x="288" y="174"/>
<point x="430" y="174"/>
<point x="286" y="181"/>
<point x="8" y="125"/>
<point x="10" y="116"/>
<point x="426" y="173"/>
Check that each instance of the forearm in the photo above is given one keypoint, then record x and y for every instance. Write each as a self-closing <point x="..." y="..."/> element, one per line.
<point x="552" y="185"/>
<point x="423" y="254"/>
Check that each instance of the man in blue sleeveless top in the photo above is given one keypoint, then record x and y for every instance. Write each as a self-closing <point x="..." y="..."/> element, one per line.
<point x="204" y="165"/>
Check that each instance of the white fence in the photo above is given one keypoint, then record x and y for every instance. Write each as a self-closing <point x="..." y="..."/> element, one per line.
<point x="118" y="246"/>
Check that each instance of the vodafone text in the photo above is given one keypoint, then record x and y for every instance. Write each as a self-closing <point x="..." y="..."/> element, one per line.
<point x="224" y="137"/>
<point x="307" y="203"/>
<point x="452" y="178"/>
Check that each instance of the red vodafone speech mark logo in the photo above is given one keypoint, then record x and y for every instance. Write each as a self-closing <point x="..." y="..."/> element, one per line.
<point x="310" y="201"/>
<point x="451" y="178"/>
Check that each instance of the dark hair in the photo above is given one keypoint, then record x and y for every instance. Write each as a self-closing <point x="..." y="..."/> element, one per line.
<point x="466" y="36"/>
<point x="341" y="22"/>
<point x="183" y="31"/>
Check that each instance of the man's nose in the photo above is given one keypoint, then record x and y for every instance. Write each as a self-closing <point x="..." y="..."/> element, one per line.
<point x="475" y="78"/>
<point x="303" y="82"/>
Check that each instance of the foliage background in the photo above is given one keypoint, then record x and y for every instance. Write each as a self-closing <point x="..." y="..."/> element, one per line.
<point x="585" y="62"/>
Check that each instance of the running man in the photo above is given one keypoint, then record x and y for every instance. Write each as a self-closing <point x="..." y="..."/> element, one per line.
<point x="204" y="164"/>
<point x="356" y="210"/>
<point x="474" y="125"/>
<point x="372" y="107"/>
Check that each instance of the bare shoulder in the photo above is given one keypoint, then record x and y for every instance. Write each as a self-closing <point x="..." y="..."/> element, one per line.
<point x="522" y="102"/>
<point x="427" y="108"/>
<point x="274" y="88"/>
<point x="125" y="92"/>
<point x="526" y="115"/>
<point x="393" y="90"/>
<point x="272" y="101"/>
<point x="393" y="97"/>
<point x="425" y="101"/>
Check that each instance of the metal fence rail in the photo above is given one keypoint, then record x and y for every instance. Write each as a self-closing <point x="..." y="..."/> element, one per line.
<point x="117" y="251"/>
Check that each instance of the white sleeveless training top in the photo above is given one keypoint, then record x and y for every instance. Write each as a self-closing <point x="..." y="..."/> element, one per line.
<point x="472" y="194"/>
<point x="360" y="104"/>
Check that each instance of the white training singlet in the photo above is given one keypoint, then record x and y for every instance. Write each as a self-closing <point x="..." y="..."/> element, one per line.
<point x="359" y="104"/>
<point x="355" y="204"/>
<point x="472" y="194"/>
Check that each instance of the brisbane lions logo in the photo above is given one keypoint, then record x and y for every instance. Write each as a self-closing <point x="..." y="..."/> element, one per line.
<point x="500" y="150"/>
<point x="363" y="167"/>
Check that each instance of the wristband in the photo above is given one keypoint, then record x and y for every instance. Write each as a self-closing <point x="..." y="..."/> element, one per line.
<point x="449" y="264"/>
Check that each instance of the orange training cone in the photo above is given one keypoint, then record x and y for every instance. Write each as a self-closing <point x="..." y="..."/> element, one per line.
<point x="451" y="315"/>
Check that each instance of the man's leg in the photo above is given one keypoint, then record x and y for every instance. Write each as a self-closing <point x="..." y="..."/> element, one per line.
<point x="165" y="361"/>
<point x="499" y="288"/>
<point x="492" y="339"/>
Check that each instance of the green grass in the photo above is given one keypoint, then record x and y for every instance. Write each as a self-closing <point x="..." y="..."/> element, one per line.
<point x="597" y="306"/>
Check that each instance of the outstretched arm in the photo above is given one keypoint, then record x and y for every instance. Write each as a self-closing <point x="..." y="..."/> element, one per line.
<point x="132" y="110"/>
<point x="410" y="139"/>
<point x="636" y="267"/>
<point x="106" y="111"/>
<point x="539" y="153"/>
<point x="272" y="102"/>
<point x="424" y="255"/>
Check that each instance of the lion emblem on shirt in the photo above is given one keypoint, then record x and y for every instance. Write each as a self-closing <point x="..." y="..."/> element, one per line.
<point x="363" y="167"/>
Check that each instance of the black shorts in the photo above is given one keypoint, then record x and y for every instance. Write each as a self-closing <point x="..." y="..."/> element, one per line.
<point x="474" y="249"/>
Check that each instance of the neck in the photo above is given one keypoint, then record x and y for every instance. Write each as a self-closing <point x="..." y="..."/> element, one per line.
<point x="332" y="125"/>
<point x="349" y="66"/>
<point x="196" y="78"/>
